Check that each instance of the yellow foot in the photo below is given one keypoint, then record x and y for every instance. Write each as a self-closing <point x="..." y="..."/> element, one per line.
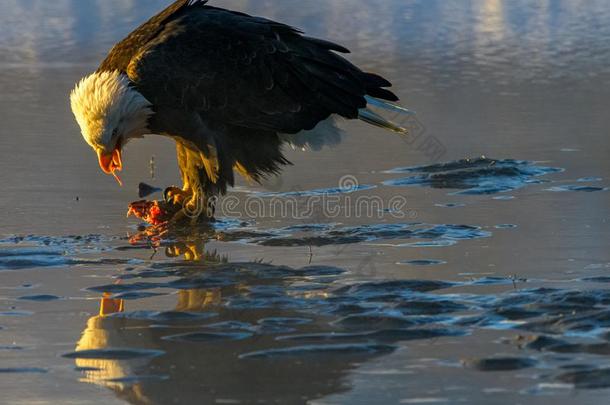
<point x="177" y="196"/>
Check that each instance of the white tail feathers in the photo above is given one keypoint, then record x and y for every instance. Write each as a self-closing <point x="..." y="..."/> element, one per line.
<point x="329" y="133"/>
<point x="369" y="116"/>
<point x="326" y="133"/>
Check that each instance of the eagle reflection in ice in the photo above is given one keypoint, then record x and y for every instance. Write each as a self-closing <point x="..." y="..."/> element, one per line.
<point x="210" y="344"/>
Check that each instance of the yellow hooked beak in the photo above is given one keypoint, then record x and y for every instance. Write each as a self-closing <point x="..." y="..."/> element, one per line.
<point x="110" y="163"/>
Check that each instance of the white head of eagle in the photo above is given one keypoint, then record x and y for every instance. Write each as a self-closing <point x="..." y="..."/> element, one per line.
<point x="110" y="113"/>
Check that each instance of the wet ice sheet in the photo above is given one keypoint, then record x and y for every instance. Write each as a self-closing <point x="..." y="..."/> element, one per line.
<point x="325" y="235"/>
<point x="31" y="251"/>
<point x="475" y="176"/>
<point x="218" y="316"/>
<point x="259" y="313"/>
<point x="258" y="316"/>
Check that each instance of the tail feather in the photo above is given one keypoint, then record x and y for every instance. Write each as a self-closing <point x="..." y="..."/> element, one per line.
<point x="369" y="116"/>
<point x="386" y="105"/>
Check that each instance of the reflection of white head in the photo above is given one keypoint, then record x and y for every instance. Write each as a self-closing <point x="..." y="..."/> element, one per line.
<point x="105" y="372"/>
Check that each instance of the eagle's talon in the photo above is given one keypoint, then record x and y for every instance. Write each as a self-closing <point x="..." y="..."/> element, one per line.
<point x="176" y="196"/>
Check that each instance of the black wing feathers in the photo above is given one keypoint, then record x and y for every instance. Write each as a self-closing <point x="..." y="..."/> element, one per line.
<point x="122" y="53"/>
<point x="248" y="71"/>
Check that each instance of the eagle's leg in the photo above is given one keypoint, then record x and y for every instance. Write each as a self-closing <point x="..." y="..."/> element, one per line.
<point x="175" y="195"/>
<point x="194" y="202"/>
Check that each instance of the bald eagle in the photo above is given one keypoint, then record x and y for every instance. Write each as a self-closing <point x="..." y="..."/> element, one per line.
<point x="228" y="87"/>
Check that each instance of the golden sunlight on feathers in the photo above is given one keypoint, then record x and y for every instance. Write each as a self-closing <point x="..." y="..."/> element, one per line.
<point x="103" y="103"/>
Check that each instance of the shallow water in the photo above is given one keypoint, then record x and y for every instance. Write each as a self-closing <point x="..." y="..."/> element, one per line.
<point x="383" y="270"/>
